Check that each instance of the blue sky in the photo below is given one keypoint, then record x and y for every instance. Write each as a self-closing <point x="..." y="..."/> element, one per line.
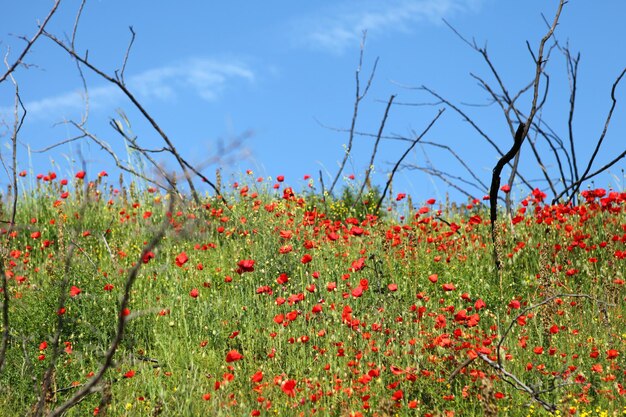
<point x="282" y="71"/>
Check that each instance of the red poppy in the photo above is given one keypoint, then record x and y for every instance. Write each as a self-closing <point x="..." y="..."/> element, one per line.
<point x="357" y="265"/>
<point x="129" y="374"/>
<point x="233" y="356"/>
<point x="74" y="291"/>
<point x="357" y="292"/>
<point x="246" y="265"/>
<point x="257" y="377"/>
<point x="397" y="396"/>
<point x="150" y="255"/>
<point x="181" y="259"/>
<point x="282" y="279"/>
<point x="612" y="354"/>
<point x="288" y="387"/>
<point x="194" y="293"/>
<point x="80" y="175"/>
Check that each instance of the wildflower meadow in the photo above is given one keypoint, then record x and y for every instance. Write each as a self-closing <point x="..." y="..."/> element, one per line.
<point x="269" y="301"/>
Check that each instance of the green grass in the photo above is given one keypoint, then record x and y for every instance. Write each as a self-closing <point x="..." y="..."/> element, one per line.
<point x="386" y="340"/>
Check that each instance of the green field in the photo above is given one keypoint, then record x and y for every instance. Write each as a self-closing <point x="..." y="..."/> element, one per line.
<point x="281" y="303"/>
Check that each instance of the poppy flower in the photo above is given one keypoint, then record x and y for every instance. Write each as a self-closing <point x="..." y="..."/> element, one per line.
<point x="357" y="291"/>
<point x="194" y="293"/>
<point x="288" y="387"/>
<point x="397" y="396"/>
<point x="129" y="374"/>
<point x="282" y="279"/>
<point x="74" y="291"/>
<point x="612" y="354"/>
<point x="257" y="377"/>
<point x="505" y="188"/>
<point x="233" y="356"/>
<point x="150" y="255"/>
<point x="80" y="175"/>
<point x="357" y="265"/>
<point x="181" y="259"/>
<point x="246" y="265"/>
<point x="306" y="258"/>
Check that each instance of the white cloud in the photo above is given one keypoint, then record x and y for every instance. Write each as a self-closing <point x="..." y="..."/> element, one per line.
<point x="343" y="26"/>
<point x="205" y="78"/>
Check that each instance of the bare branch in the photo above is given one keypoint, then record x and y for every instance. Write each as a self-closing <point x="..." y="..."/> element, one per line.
<point x="91" y="385"/>
<point x="460" y="161"/>
<point x="30" y="43"/>
<point x="5" y="315"/>
<point x="517" y="383"/>
<point x="358" y="97"/>
<point x="602" y="135"/>
<point x="444" y="176"/>
<point x="495" y="185"/>
<point x="17" y="125"/>
<point x="371" y="164"/>
<point x="589" y="176"/>
<point x="395" y="168"/>
<point x="130" y="45"/>
<point x="138" y="105"/>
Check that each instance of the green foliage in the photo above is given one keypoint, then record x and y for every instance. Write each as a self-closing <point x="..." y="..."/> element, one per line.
<point x="348" y="204"/>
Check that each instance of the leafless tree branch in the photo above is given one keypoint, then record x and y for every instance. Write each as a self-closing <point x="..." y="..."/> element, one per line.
<point x="17" y="125"/>
<point x="602" y="135"/>
<point x="118" y="82"/>
<point x="91" y="385"/>
<point x="30" y="42"/>
<point x="358" y="97"/>
<point x="408" y="150"/>
<point x="371" y="164"/>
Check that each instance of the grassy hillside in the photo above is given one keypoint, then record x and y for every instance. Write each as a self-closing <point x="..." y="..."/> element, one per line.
<point x="282" y="304"/>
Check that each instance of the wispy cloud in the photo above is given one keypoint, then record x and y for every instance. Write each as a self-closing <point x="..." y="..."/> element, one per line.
<point x="342" y="26"/>
<point x="205" y="77"/>
<point x="202" y="77"/>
